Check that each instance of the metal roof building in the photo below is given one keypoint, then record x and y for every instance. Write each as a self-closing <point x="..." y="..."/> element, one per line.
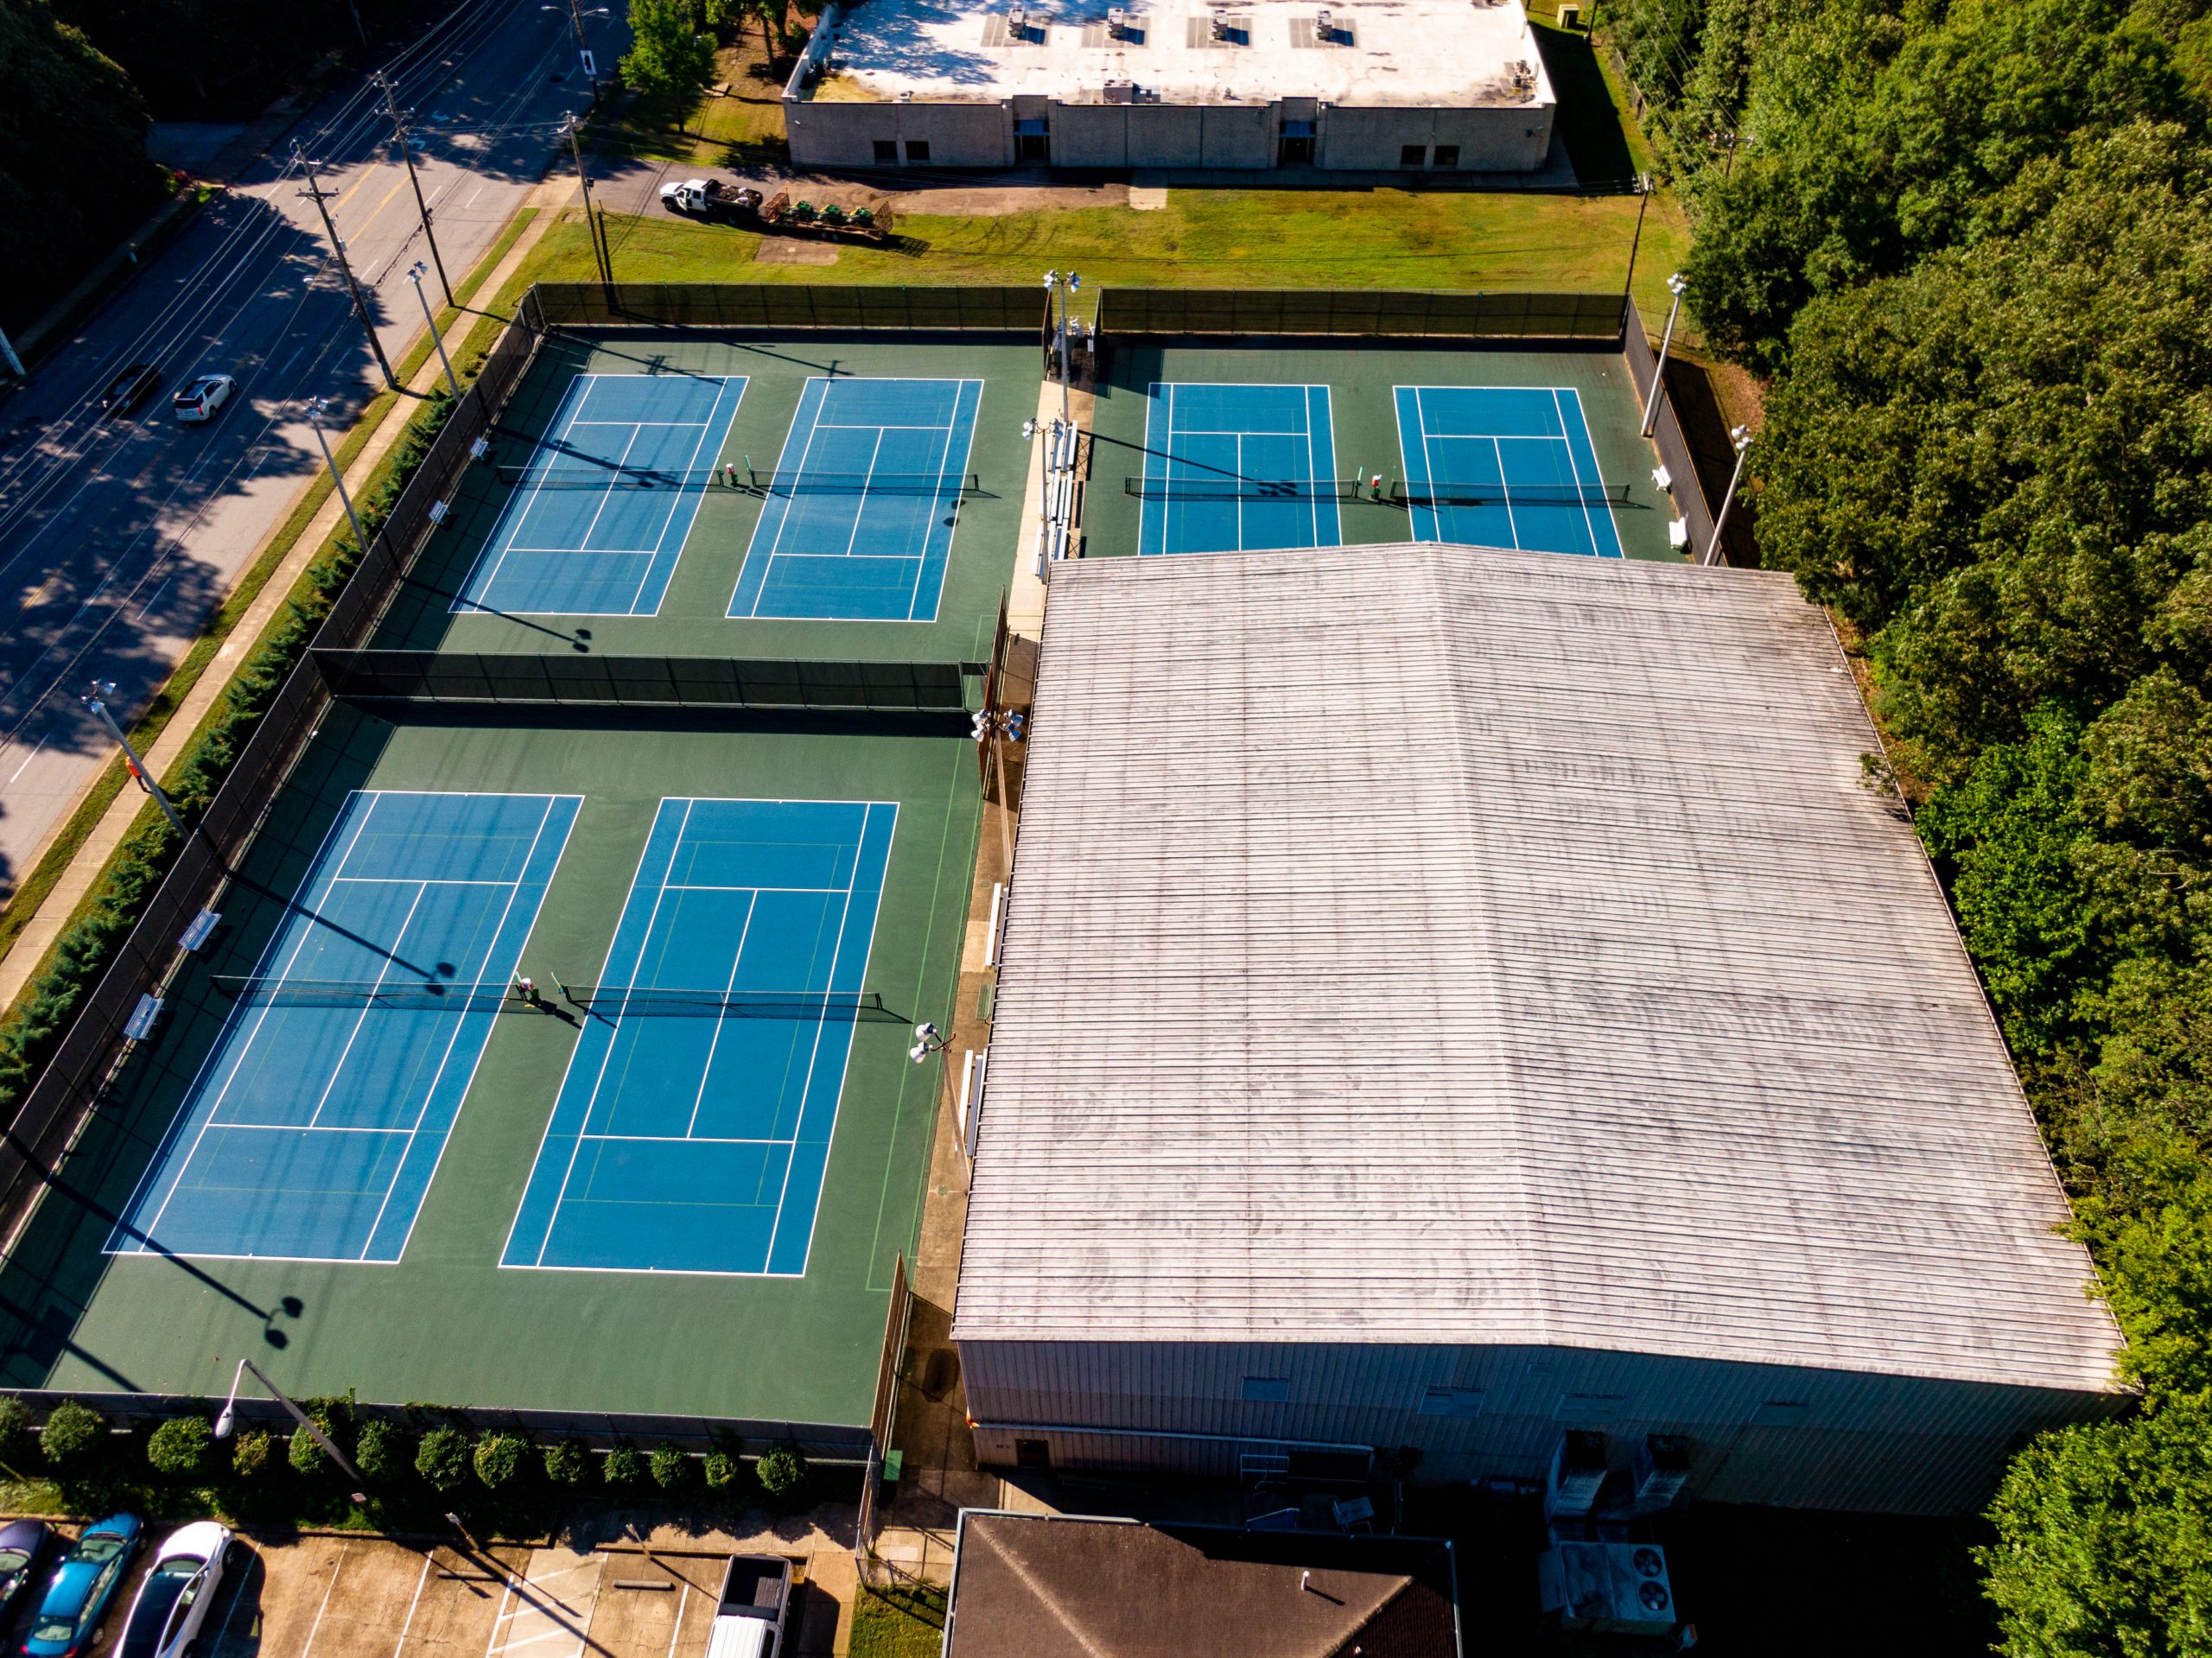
<point x="1451" y="996"/>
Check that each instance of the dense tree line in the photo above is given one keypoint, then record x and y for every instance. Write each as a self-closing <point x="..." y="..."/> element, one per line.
<point x="1971" y="244"/>
<point x="73" y="173"/>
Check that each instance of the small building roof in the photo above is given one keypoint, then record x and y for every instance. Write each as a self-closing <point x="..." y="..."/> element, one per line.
<point x="1035" y="1585"/>
<point x="1428" y="943"/>
<point x="1449" y="53"/>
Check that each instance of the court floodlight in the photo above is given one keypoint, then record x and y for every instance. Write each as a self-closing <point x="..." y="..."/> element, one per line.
<point x="926" y="1030"/>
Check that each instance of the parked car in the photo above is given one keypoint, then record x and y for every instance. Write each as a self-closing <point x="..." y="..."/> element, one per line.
<point x="201" y="398"/>
<point x="67" y="1620"/>
<point x="129" y="388"/>
<point x="173" y="1599"/>
<point x="23" y="1546"/>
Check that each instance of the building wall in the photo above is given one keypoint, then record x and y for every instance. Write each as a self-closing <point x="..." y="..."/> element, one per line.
<point x="1242" y="137"/>
<point x="1761" y="1433"/>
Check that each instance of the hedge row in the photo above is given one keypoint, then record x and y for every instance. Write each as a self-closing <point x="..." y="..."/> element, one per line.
<point x="43" y="1012"/>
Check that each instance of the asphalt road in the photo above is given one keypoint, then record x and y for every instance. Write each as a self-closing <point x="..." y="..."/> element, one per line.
<point x="119" y="537"/>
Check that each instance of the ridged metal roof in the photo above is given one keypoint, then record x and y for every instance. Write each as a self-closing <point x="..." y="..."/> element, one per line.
<point x="1418" y="942"/>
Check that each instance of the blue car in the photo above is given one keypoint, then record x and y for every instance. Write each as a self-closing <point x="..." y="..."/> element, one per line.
<point x="69" y="1619"/>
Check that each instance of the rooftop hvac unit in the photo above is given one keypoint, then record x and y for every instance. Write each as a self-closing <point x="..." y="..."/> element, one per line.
<point x="1017" y="23"/>
<point x="1578" y="1469"/>
<point x="1322" y="28"/>
<point x="1117" y="23"/>
<point x="1607" y="1588"/>
<point x="1660" y="1466"/>
<point x="1121" y="92"/>
<point x="1220" y="25"/>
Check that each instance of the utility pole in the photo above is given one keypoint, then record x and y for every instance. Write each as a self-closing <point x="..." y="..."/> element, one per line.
<point x="1643" y="191"/>
<point x="360" y="306"/>
<point x="105" y="688"/>
<point x="407" y="155"/>
<point x="314" y="418"/>
<point x="584" y="51"/>
<point x="574" y="130"/>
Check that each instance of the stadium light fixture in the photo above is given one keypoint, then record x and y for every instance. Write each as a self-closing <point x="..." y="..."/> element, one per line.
<point x="1677" y="285"/>
<point x="1741" y="437"/>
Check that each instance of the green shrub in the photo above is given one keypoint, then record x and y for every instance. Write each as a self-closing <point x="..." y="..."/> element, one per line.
<point x="14" y="1429"/>
<point x="252" y="1452"/>
<point x="567" y="1462"/>
<point x="782" y="1472"/>
<point x="499" y="1457"/>
<point x="671" y="1468"/>
<point x="181" y="1446"/>
<point x="722" y="1468"/>
<point x="384" y="1450"/>
<point x="71" y="1433"/>
<point x="624" y="1465"/>
<point x="444" y="1457"/>
<point x="305" y="1453"/>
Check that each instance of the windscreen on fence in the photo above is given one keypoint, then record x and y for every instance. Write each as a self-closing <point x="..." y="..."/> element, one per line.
<point x="641" y="681"/>
<point x="788" y="305"/>
<point x="1411" y="314"/>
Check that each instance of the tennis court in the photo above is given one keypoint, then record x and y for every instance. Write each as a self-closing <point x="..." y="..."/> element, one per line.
<point x="1231" y="466"/>
<point x="1503" y="466"/>
<point x="860" y="510"/>
<point x="601" y="511"/>
<point x="312" y="1129"/>
<point x="698" y="1144"/>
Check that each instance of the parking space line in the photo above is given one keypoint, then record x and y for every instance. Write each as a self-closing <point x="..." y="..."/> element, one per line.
<point x="400" y="1645"/>
<point x="337" y="1567"/>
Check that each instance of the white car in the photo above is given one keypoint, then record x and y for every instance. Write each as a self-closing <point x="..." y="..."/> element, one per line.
<point x="178" y="1589"/>
<point x="201" y="398"/>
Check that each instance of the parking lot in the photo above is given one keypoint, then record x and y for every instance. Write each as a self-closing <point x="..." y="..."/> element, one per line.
<point x="326" y="1595"/>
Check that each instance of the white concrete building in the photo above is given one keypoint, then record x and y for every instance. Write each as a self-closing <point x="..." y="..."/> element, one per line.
<point x="1450" y="996"/>
<point x="1410" y="86"/>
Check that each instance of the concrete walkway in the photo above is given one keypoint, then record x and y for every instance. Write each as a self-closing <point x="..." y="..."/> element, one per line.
<point x="32" y="944"/>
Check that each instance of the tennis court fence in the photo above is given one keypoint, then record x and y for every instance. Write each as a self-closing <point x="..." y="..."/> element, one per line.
<point x="1412" y="314"/>
<point x="601" y="1001"/>
<point x="706" y="683"/>
<point x="786" y="305"/>
<point x="1416" y="493"/>
<point x="48" y="1119"/>
<point x="945" y="486"/>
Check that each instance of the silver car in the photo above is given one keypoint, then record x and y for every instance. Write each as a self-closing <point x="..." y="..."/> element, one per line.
<point x="201" y="398"/>
<point x="174" y="1599"/>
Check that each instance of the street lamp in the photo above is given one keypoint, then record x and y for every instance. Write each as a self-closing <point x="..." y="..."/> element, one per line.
<point x="1741" y="437"/>
<point x="927" y="1042"/>
<point x="314" y="418"/>
<point x="415" y="276"/>
<point x="1677" y="285"/>
<point x="227" y="1421"/>
<point x="102" y="690"/>
<point x="1067" y="285"/>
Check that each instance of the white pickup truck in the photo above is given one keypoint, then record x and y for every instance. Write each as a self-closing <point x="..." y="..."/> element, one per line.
<point x="710" y="199"/>
<point x="749" y="1616"/>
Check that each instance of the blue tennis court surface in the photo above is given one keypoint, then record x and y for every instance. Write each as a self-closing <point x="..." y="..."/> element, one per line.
<point x="1231" y="466"/>
<point x="858" y="521"/>
<point x="310" y="1133"/>
<point x="590" y="551"/>
<point x="697" y="1144"/>
<point x="1503" y="466"/>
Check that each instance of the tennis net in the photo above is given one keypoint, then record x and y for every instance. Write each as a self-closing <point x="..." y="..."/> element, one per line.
<point x="1428" y="493"/>
<point x="601" y="1001"/>
<point x="1242" y="489"/>
<point x="942" y="485"/>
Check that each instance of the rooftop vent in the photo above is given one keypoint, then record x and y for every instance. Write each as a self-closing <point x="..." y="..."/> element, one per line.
<point x="1217" y="26"/>
<point x="1121" y="92"/>
<point x="1017" y="22"/>
<point x="1117" y="23"/>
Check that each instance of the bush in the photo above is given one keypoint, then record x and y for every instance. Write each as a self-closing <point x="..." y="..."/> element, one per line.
<point x="14" y="1429"/>
<point x="723" y="1469"/>
<point x="181" y="1446"/>
<point x="305" y="1453"/>
<point x="252" y="1452"/>
<point x="567" y="1462"/>
<point x="383" y="1450"/>
<point x="499" y="1457"/>
<point x="71" y="1433"/>
<point x="444" y="1457"/>
<point x="624" y="1465"/>
<point x="671" y="1468"/>
<point x="782" y="1472"/>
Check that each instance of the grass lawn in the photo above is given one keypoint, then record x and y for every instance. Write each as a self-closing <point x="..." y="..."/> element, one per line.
<point x="1204" y="239"/>
<point x="899" y="1622"/>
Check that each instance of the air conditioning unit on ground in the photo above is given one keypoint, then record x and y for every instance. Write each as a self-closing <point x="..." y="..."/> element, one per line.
<point x="1607" y="1588"/>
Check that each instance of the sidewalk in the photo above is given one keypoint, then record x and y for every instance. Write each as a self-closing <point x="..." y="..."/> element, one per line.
<point x="32" y="944"/>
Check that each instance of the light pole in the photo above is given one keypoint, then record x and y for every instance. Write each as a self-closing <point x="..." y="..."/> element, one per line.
<point x="415" y="276"/>
<point x="583" y="51"/>
<point x="407" y="155"/>
<point x="927" y="1042"/>
<point x="360" y="306"/>
<point x="315" y="417"/>
<point x="1066" y="285"/>
<point x="1741" y="437"/>
<point x="105" y="688"/>
<point x="15" y="362"/>
<point x="1643" y="201"/>
<point x="572" y="128"/>
<point x="1676" y="285"/>
<point x="228" y="1420"/>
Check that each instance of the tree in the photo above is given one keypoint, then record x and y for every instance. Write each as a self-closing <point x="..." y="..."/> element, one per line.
<point x="670" y="58"/>
<point x="445" y="1457"/>
<point x="2101" y="1539"/>
<point x="73" y="1433"/>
